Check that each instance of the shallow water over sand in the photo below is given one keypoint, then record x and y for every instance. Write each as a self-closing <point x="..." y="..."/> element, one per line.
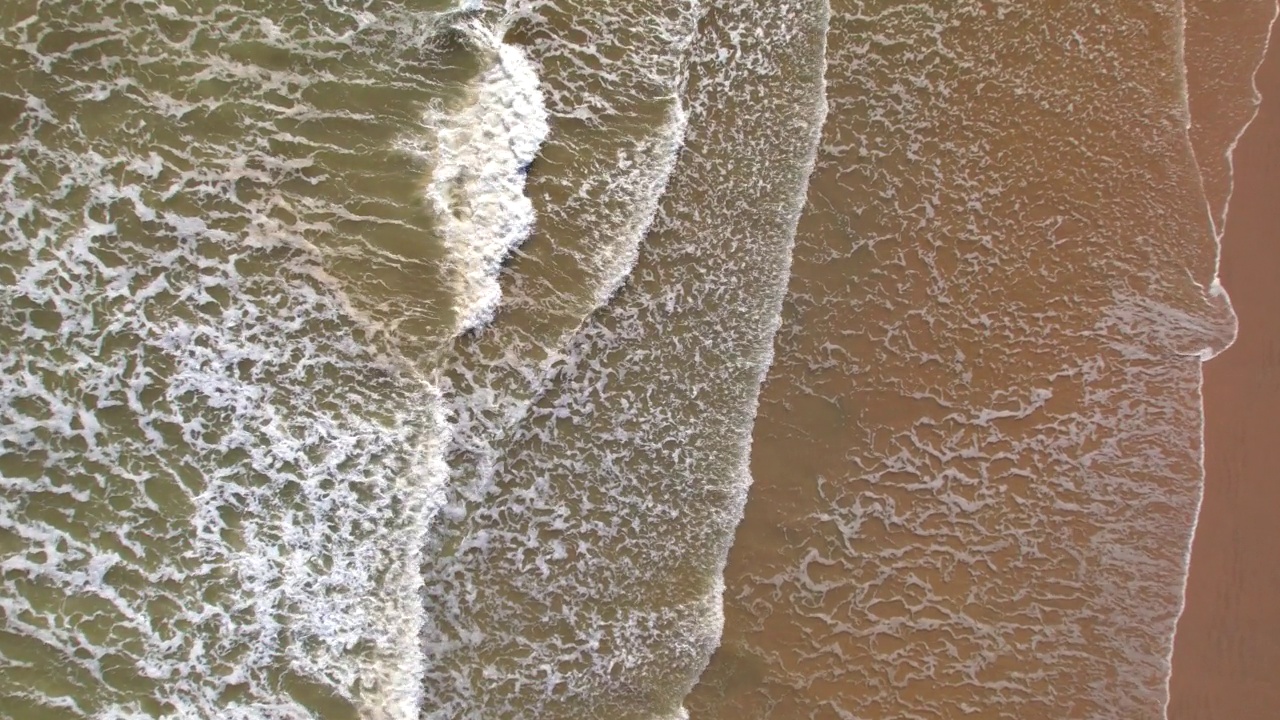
<point x="977" y="457"/>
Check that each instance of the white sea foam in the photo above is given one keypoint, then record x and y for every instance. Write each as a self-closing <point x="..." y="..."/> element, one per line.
<point x="613" y="93"/>
<point x="210" y="443"/>
<point x="578" y="574"/>
<point x="479" y="166"/>
<point x="598" y="201"/>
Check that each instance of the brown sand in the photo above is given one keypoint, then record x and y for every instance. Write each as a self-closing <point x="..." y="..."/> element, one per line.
<point x="1227" y="649"/>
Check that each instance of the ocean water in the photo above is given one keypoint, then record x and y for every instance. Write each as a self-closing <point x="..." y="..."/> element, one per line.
<point x="977" y="461"/>
<point x="384" y="359"/>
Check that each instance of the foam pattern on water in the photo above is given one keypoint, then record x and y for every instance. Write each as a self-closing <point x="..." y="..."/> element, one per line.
<point x="977" y="456"/>
<point x="482" y="152"/>
<point x="578" y="564"/>
<point x="612" y="76"/>
<point x="217" y="464"/>
<point x="387" y="359"/>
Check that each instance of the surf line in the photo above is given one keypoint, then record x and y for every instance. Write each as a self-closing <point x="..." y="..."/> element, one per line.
<point x="484" y="148"/>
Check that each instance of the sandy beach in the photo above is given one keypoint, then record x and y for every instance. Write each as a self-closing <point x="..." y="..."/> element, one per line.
<point x="1228" y="641"/>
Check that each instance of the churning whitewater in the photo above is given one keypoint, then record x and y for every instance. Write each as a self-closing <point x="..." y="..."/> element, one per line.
<point x="482" y="152"/>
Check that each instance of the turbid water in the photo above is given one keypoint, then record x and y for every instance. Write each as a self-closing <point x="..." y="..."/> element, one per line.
<point x="562" y="358"/>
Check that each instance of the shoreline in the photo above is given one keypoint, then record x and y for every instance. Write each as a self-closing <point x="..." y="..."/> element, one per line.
<point x="1228" y="637"/>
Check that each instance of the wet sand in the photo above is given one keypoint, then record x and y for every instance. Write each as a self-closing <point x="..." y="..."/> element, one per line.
<point x="1227" y="647"/>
